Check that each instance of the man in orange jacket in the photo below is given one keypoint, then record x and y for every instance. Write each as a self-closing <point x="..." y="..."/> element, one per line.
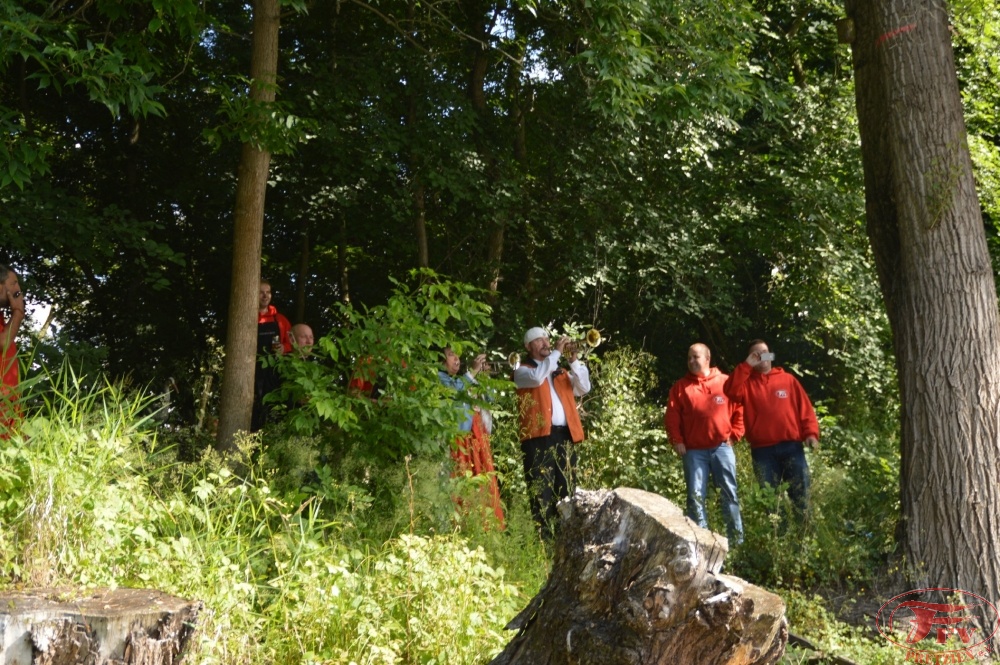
<point x="779" y="421"/>
<point x="550" y="422"/>
<point x="703" y="424"/>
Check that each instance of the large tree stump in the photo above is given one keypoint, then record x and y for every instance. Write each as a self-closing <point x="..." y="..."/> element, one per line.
<point x="634" y="581"/>
<point x="102" y="627"/>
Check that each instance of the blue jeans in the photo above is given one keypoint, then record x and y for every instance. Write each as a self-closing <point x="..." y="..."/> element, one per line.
<point x="784" y="462"/>
<point x="721" y="463"/>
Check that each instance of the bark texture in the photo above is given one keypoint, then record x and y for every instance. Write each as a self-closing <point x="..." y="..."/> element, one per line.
<point x="104" y="627"/>
<point x="930" y="250"/>
<point x="236" y="398"/>
<point x="634" y="581"/>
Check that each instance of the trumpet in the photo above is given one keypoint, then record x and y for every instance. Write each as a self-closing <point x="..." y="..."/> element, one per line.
<point x="495" y="360"/>
<point x="590" y="341"/>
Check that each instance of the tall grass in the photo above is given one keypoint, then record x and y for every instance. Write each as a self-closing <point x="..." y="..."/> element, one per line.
<point x="88" y="498"/>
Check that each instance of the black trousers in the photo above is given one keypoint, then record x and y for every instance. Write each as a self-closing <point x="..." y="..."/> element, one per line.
<point x="266" y="380"/>
<point x="548" y="471"/>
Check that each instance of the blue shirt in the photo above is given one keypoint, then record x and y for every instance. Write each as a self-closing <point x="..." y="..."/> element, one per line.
<point x="460" y="384"/>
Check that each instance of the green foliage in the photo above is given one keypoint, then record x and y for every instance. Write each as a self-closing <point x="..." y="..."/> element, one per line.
<point x="977" y="58"/>
<point x="91" y="500"/>
<point x="397" y="347"/>
<point x="703" y="72"/>
<point x="270" y="126"/>
<point x="385" y="606"/>
<point x="676" y="177"/>
<point x="626" y="444"/>
<point x="850" y="533"/>
<point x="77" y="521"/>
<point x="57" y="48"/>
<point x="808" y="615"/>
<point x="97" y="236"/>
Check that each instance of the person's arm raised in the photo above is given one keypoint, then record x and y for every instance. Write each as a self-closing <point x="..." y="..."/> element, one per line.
<point x="15" y="301"/>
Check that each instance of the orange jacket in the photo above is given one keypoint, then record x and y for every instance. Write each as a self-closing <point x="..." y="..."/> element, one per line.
<point x="10" y="410"/>
<point x="536" y="408"/>
<point x="9" y="369"/>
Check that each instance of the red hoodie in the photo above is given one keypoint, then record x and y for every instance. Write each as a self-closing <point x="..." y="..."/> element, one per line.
<point x="698" y="413"/>
<point x="775" y="406"/>
<point x="284" y="327"/>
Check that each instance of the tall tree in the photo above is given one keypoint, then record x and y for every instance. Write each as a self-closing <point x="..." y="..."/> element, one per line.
<point x="251" y="187"/>
<point x="930" y="250"/>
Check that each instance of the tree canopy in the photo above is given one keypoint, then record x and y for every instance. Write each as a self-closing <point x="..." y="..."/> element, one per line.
<point x="665" y="171"/>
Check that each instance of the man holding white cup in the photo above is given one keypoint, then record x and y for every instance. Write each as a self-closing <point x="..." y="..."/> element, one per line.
<point x="779" y="419"/>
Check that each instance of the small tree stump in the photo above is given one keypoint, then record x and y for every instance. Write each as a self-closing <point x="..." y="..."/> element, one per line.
<point x="102" y="627"/>
<point x="634" y="581"/>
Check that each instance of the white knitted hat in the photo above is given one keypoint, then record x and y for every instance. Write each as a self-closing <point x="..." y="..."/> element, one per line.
<point x="533" y="334"/>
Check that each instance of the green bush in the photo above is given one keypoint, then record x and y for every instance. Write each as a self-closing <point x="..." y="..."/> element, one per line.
<point x="626" y="444"/>
<point x="415" y="600"/>
<point x="397" y="347"/>
<point x="809" y="616"/>
<point x="90" y="500"/>
<point x="849" y="535"/>
<point x="68" y="482"/>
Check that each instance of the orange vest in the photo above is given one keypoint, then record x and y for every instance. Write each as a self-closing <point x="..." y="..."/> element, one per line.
<point x="536" y="409"/>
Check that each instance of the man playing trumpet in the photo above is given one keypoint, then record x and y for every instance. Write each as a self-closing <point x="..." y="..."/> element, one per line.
<point x="550" y="423"/>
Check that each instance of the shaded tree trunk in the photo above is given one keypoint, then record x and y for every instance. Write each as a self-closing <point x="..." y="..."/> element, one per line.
<point x="342" y="270"/>
<point x="520" y="103"/>
<point x="413" y="121"/>
<point x="634" y="581"/>
<point x="305" y="249"/>
<point x="420" y="219"/>
<point x="481" y="59"/>
<point x="930" y="250"/>
<point x="236" y="399"/>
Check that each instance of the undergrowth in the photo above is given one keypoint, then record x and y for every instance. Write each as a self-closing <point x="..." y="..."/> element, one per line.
<point x="316" y="554"/>
<point x="89" y="498"/>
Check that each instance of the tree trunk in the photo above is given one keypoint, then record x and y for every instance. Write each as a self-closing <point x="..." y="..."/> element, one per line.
<point x="420" y="219"/>
<point x="413" y="122"/>
<point x="634" y="581"/>
<point x="926" y="231"/>
<point x="113" y="627"/>
<point x="342" y="270"/>
<point x="305" y="249"/>
<point x="236" y="399"/>
<point x="517" y="124"/>
<point x="482" y="58"/>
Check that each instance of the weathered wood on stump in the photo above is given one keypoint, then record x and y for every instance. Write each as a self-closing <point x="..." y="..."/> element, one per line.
<point x="102" y="627"/>
<point x="634" y="581"/>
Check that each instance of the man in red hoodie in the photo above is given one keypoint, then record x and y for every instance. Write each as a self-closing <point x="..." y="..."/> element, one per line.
<point x="703" y="425"/>
<point x="779" y="419"/>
